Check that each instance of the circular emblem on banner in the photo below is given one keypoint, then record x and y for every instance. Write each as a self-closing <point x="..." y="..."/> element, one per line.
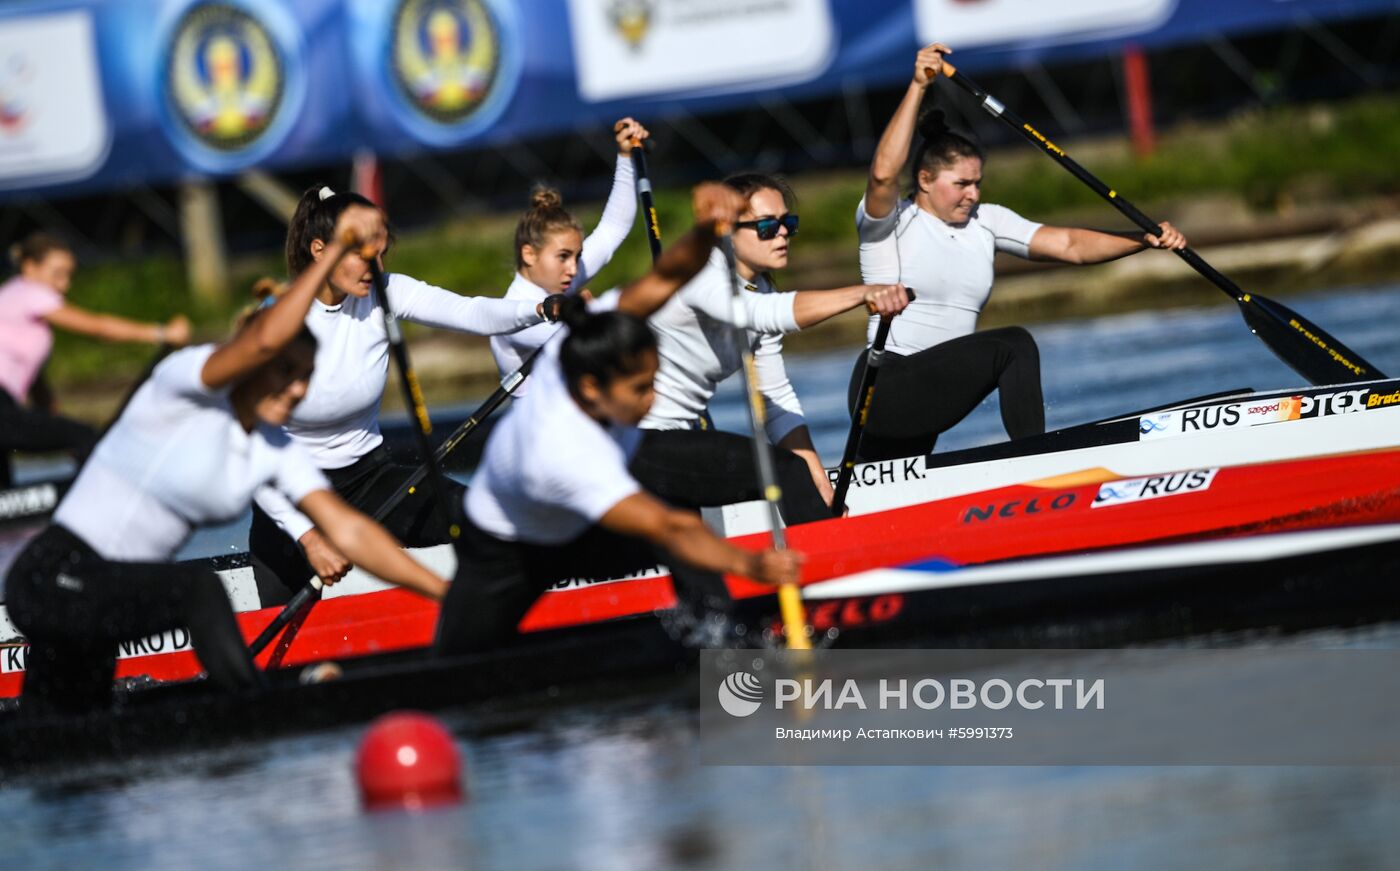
<point x="225" y="78"/>
<point x="445" y="57"/>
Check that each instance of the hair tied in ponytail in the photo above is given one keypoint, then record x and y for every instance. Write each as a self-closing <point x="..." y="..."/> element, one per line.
<point x="933" y="124"/>
<point x="572" y="311"/>
<point x="546" y="215"/>
<point x="942" y="146"/>
<point x="317" y="211"/>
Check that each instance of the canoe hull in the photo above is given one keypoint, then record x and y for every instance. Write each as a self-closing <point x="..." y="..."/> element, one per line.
<point x="1068" y="515"/>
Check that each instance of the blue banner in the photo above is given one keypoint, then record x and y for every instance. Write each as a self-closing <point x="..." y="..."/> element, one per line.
<point x="104" y="95"/>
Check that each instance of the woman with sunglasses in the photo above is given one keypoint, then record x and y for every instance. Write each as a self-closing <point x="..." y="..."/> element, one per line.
<point x="941" y="240"/>
<point x="682" y="458"/>
<point x="553" y="497"/>
<point x="338" y="421"/>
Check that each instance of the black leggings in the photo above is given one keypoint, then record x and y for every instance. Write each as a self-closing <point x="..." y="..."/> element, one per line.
<point x="75" y="607"/>
<point x="366" y="485"/>
<point x="497" y="581"/>
<point x="704" y="468"/>
<point x="28" y="429"/>
<point x="921" y="395"/>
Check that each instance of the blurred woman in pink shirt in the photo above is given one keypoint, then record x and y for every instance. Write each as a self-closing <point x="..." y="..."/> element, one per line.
<point x="31" y="304"/>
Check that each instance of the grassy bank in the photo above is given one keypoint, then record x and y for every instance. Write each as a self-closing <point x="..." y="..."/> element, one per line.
<point x="1272" y="161"/>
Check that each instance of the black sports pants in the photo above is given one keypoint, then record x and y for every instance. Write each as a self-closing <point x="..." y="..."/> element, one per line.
<point x="74" y="606"/>
<point x="366" y="485"/>
<point x="696" y="469"/>
<point x="921" y="395"/>
<point x="497" y="581"/>
<point x="27" y="429"/>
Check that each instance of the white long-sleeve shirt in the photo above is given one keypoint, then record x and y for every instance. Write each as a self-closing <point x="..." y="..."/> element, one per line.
<point x="337" y="422"/>
<point x="618" y="215"/>
<point x="699" y="348"/>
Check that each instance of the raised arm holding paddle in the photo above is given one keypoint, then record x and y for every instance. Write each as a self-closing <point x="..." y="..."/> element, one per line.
<point x="941" y="239"/>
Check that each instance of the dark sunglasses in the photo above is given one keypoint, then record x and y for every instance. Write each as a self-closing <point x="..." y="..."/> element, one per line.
<point x="767" y="228"/>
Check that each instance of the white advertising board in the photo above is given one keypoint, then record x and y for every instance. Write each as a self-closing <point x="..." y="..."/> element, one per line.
<point x="53" y="126"/>
<point x="973" y="23"/>
<point x="629" y="48"/>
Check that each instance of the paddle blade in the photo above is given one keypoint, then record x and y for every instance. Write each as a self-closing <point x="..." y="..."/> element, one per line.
<point x="1310" y="350"/>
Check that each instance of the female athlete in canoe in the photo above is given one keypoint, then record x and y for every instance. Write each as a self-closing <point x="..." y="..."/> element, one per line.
<point x="193" y="444"/>
<point x="941" y="241"/>
<point x="553" y="497"/>
<point x="31" y="304"/>
<point x="338" y="421"/>
<point x="551" y="255"/>
<point x="681" y="458"/>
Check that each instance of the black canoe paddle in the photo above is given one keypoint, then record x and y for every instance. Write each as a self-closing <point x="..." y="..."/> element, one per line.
<point x="413" y="396"/>
<point x="513" y="380"/>
<point x="653" y="226"/>
<point x="433" y="465"/>
<point x="483" y="411"/>
<point x="294" y="606"/>
<point x="1304" y="346"/>
<point x="864" y="395"/>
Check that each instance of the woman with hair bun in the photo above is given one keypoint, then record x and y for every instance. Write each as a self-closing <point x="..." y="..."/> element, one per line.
<point x="31" y="304"/>
<point x="941" y="241"/>
<point x="553" y="497"/>
<point x="338" y="421"/>
<point x="552" y="256"/>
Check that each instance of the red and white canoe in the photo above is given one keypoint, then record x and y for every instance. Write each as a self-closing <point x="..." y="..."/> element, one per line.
<point x="1087" y="512"/>
<point x="1227" y="430"/>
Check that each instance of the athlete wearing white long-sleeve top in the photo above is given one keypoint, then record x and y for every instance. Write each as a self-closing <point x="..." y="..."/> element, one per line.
<point x="681" y="459"/>
<point x="700" y="348"/>
<point x="551" y="255"/>
<point x="338" y="420"/>
<point x="554" y="497"/>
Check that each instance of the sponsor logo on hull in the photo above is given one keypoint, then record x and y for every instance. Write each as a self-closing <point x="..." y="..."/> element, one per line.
<point x="28" y="501"/>
<point x="1154" y="487"/>
<point x="1238" y="415"/>
<point x="849" y="613"/>
<point x="579" y="583"/>
<point x="1017" y="508"/>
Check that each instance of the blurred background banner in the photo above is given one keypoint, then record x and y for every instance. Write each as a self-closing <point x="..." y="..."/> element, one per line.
<point x="98" y="96"/>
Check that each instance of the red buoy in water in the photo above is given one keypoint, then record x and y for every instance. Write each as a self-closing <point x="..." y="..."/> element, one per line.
<point x="408" y="759"/>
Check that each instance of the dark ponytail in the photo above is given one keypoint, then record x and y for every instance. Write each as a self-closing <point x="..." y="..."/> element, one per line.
<point x="942" y="146"/>
<point x="315" y="218"/>
<point x="606" y="345"/>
